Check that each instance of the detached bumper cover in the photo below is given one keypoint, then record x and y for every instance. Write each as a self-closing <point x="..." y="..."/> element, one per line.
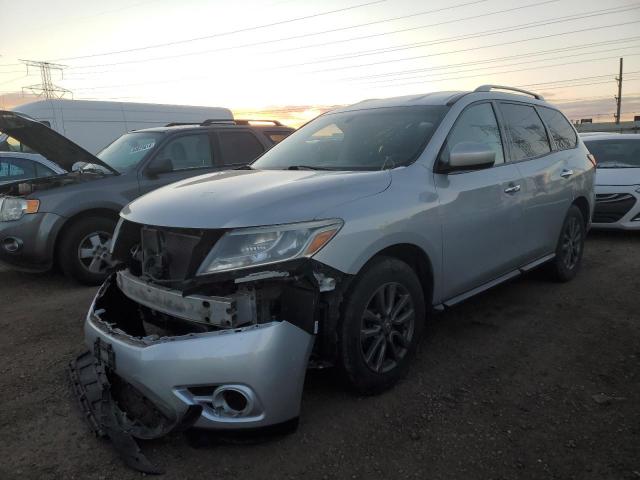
<point x="93" y="390"/>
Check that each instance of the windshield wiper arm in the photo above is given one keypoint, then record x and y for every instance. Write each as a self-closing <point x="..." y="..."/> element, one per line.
<point x="306" y="167"/>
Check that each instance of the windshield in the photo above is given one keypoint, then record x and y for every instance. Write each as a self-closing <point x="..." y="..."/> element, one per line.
<point x="129" y="150"/>
<point x="623" y="153"/>
<point x="371" y="139"/>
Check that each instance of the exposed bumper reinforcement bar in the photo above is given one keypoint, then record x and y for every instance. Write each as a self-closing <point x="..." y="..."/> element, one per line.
<point x="93" y="390"/>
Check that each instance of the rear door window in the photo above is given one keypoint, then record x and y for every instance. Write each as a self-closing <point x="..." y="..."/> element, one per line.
<point x="188" y="151"/>
<point x="561" y="130"/>
<point x="239" y="147"/>
<point x="526" y="132"/>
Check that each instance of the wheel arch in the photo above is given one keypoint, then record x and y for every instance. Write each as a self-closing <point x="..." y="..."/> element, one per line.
<point x="583" y="204"/>
<point x="104" y="212"/>
<point x="419" y="262"/>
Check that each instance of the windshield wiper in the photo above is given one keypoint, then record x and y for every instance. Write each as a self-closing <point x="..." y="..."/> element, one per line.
<point x="307" y="167"/>
<point x="244" y="167"/>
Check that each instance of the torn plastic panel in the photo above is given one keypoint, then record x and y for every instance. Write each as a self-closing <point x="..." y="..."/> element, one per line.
<point x="119" y="412"/>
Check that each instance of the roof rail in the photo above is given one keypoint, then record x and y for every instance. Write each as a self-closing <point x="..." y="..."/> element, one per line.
<point x="176" y="124"/>
<point x="247" y="122"/>
<point x="211" y="121"/>
<point x="488" y="88"/>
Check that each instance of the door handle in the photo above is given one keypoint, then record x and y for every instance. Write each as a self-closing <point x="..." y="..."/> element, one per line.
<point x="566" y="173"/>
<point x="512" y="189"/>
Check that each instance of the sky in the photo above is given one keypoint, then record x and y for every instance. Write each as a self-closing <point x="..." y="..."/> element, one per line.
<point x="293" y="59"/>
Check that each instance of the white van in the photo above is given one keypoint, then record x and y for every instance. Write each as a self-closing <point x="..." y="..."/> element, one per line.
<point x="95" y="124"/>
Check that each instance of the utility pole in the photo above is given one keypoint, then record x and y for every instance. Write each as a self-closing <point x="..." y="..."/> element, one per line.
<point x="619" y="97"/>
<point x="46" y="87"/>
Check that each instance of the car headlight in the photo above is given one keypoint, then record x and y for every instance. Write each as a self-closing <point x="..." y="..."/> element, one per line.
<point x="13" y="208"/>
<point x="251" y="247"/>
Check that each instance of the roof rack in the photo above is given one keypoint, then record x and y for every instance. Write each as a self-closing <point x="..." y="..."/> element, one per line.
<point x="211" y="121"/>
<point x="177" y="124"/>
<point x="488" y="88"/>
<point x="247" y="122"/>
<point x="224" y="121"/>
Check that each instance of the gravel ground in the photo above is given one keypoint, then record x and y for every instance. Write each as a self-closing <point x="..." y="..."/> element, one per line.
<point x="530" y="380"/>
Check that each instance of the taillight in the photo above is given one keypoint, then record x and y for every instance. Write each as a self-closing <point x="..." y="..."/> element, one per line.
<point x="592" y="159"/>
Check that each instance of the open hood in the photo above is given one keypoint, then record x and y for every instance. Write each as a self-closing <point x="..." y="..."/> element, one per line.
<point x="46" y="142"/>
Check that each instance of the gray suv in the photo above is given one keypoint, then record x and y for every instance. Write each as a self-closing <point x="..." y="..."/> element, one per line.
<point x="68" y="218"/>
<point x="332" y="249"/>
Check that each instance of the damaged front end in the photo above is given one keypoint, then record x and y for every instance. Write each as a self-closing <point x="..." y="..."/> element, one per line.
<point x="172" y="348"/>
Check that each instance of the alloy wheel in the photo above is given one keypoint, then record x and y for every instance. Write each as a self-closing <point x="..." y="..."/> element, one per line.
<point x="571" y="243"/>
<point x="387" y="327"/>
<point x="93" y="251"/>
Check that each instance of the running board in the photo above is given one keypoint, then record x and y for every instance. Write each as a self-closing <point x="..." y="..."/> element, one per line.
<point x="509" y="276"/>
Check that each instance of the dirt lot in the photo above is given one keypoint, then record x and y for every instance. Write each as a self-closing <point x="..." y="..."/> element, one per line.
<point x="505" y="386"/>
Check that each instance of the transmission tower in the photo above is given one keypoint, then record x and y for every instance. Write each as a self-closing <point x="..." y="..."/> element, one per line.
<point x="46" y="87"/>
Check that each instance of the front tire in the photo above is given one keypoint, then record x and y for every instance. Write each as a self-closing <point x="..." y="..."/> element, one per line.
<point x="570" y="246"/>
<point x="382" y="323"/>
<point x="83" y="249"/>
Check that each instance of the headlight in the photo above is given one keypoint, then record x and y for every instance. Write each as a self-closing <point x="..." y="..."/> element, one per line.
<point x="251" y="247"/>
<point x="13" y="208"/>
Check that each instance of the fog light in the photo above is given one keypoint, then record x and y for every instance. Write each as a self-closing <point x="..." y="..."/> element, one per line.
<point x="12" y="244"/>
<point x="232" y="401"/>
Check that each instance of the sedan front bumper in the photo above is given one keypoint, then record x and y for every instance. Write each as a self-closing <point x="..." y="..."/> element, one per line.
<point x="617" y="207"/>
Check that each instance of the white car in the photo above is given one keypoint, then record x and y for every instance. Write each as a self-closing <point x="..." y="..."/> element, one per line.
<point x="617" y="180"/>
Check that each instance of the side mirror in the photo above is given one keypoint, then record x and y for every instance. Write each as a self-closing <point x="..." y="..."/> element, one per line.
<point x="471" y="155"/>
<point x="158" y="166"/>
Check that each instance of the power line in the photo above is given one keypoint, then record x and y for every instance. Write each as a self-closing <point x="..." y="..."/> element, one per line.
<point x="483" y="69"/>
<point x="498" y="59"/>
<point x="501" y="44"/>
<point x="241" y="30"/>
<point x="338" y="29"/>
<point x="419" y="27"/>
<point x="571" y="80"/>
<point x="486" y="33"/>
<point x="395" y="84"/>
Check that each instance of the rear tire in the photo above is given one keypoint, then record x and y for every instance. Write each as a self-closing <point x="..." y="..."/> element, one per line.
<point x="383" y="319"/>
<point x="570" y="247"/>
<point x="83" y="247"/>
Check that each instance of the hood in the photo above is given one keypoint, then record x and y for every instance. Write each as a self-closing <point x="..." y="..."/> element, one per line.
<point x="47" y="142"/>
<point x="242" y="198"/>
<point x="618" y="176"/>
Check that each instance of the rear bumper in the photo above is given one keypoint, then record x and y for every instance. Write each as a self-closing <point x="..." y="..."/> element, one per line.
<point x="617" y="207"/>
<point x="36" y="235"/>
<point x="266" y="362"/>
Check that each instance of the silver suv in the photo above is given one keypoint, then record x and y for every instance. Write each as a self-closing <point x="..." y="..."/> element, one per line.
<point x="332" y="249"/>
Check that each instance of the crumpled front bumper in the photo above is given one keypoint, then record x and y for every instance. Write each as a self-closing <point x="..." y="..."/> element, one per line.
<point x="176" y="375"/>
<point x="269" y="359"/>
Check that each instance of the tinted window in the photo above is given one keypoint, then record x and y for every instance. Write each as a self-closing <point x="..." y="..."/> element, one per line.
<point x="615" y="153"/>
<point x="188" y="151"/>
<point x="277" y="137"/>
<point x="475" y="124"/>
<point x="370" y="139"/>
<point x="525" y="130"/>
<point x="16" y="169"/>
<point x="561" y="130"/>
<point x="128" y="150"/>
<point x="42" y="171"/>
<point x="239" y="148"/>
